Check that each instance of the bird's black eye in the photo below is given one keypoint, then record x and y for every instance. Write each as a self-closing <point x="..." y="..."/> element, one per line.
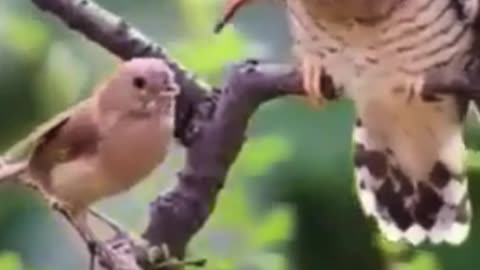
<point x="139" y="82"/>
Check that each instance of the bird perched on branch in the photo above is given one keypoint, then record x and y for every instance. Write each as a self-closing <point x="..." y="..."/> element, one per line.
<point x="408" y="147"/>
<point x="110" y="141"/>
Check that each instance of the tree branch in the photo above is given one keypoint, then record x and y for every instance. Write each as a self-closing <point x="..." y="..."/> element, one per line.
<point x="177" y="216"/>
<point x="211" y="123"/>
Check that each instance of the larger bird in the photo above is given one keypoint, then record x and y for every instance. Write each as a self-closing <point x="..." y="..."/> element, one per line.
<point x="409" y="152"/>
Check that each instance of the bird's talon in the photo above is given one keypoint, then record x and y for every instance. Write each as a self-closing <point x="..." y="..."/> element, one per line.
<point x="418" y="86"/>
<point x="312" y="75"/>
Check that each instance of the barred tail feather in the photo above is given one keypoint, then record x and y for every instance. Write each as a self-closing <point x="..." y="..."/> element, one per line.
<point x="415" y="210"/>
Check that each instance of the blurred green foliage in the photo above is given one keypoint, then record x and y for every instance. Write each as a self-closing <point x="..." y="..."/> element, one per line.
<point x="289" y="201"/>
<point x="10" y="261"/>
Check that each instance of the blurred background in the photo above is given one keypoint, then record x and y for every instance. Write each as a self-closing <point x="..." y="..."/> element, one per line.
<point x="289" y="202"/>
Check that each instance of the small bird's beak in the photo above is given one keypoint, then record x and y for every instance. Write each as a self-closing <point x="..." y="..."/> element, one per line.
<point x="170" y="92"/>
<point x="230" y="10"/>
<point x="155" y="100"/>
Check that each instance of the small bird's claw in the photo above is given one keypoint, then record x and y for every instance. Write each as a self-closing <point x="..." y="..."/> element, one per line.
<point x="161" y="258"/>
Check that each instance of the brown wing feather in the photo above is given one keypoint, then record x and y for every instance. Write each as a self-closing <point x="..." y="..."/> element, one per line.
<point x="72" y="137"/>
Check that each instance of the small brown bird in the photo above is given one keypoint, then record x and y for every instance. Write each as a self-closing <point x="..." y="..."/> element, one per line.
<point x="110" y="142"/>
<point x="409" y="151"/>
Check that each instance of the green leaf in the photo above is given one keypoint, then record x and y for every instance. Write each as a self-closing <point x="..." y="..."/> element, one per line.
<point x="424" y="261"/>
<point x="10" y="261"/>
<point x="61" y="79"/>
<point x="267" y="261"/>
<point x="25" y="36"/>
<point x="258" y="154"/>
<point x="391" y="249"/>
<point x="276" y="227"/>
<point x="208" y="55"/>
<point x="473" y="160"/>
